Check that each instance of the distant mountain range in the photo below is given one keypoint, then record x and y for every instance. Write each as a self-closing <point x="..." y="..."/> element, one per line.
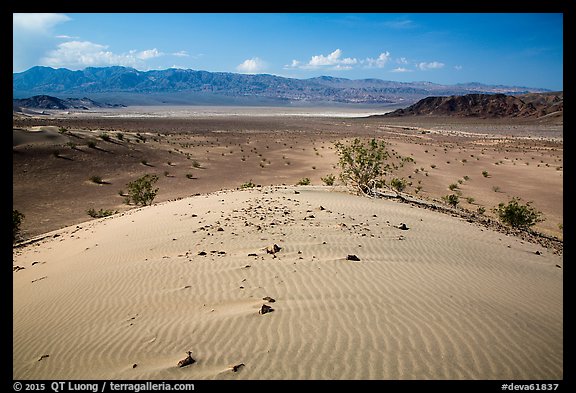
<point x="123" y="85"/>
<point x="532" y="105"/>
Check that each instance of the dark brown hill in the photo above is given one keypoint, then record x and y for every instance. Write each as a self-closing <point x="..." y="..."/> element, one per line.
<point x="532" y="105"/>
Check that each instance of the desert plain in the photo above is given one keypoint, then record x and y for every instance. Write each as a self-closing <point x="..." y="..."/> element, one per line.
<point x="353" y="293"/>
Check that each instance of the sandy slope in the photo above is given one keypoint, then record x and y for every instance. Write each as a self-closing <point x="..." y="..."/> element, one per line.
<point x="125" y="297"/>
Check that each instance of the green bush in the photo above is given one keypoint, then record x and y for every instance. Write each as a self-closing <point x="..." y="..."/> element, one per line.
<point x="303" y="182"/>
<point x="328" y="179"/>
<point x="398" y="184"/>
<point x="140" y="191"/>
<point x="100" y="213"/>
<point x="248" y="184"/>
<point x="452" y="199"/>
<point x="517" y="215"/>
<point x="363" y="164"/>
<point x="17" y="219"/>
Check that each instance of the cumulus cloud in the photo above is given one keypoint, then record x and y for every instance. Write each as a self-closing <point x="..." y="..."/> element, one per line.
<point x="251" y="66"/>
<point x="429" y="66"/>
<point x="379" y="62"/>
<point x="31" y="35"/>
<point x="81" y="54"/>
<point x="458" y="67"/>
<point x="332" y="61"/>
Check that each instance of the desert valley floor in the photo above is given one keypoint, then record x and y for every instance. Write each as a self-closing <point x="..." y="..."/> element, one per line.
<point x="283" y="281"/>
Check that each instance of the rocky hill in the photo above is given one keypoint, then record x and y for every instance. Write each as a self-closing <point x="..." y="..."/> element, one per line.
<point x="531" y="105"/>
<point x="49" y="102"/>
<point x="183" y="86"/>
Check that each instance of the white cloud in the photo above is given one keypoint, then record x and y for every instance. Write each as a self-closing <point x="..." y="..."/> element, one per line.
<point x="380" y="62"/>
<point x="458" y="67"/>
<point x="81" y="54"/>
<point x="149" y="54"/>
<point x="181" y="53"/>
<point x="32" y="35"/>
<point x="402" y="60"/>
<point x="251" y="66"/>
<point x="401" y="69"/>
<point x="429" y="66"/>
<point x="332" y="61"/>
<point x="37" y="22"/>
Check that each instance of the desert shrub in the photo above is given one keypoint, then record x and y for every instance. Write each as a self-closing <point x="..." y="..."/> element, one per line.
<point x="96" y="179"/>
<point x="516" y="215"/>
<point x="481" y="210"/>
<point x="248" y="184"/>
<point x="453" y="186"/>
<point x="328" y="179"/>
<point x="451" y="199"/>
<point x="303" y="182"/>
<point x="105" y="137"/>
<point x="398" y="184"/>
<point x="120" y="136"/>
<point x="363" y="164"/>
<point x="140" y="191"/>
<point x="91" y="144"/>
<point x="485" y="173"/>
<point x="190" y="176"/>
<point x="17" y="219"/>
<point x="100" y="213"/>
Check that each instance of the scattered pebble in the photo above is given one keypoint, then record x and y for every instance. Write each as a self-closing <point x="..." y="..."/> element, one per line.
<point x="273" y="249"/>
<point x="265" y="309"/>
<point x="186" y="361"/>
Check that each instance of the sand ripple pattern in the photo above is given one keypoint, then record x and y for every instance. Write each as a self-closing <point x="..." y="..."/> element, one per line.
<point x="126" y="297"/>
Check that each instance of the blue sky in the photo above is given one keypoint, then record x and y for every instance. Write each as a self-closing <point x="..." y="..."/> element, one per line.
<point x="518" y="49"/>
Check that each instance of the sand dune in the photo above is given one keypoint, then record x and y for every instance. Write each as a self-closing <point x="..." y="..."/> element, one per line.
<point x="125" y="297"/>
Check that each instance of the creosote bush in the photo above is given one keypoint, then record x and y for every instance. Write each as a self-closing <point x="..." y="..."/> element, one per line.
<point x="328" y="179"/>
<point x="518" y="216"/>
<point x="398" y="184"/>
<point x="451" y="199"/>
<point x="363" y="165"/>
<point x="140" y="191"/>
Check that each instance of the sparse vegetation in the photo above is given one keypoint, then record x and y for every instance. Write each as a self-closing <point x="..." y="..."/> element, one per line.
<point x="248" y="184"/>
<point x="451" y="199"/>
<point x="303" y="182"/>
<point x="363" y="164"/>
<point x="100" y="213"/>
<point x="518" y="216"/>
<point x="96" y="179"/>
<point x="398" y="184"/>
<point x="140" y="191"/>
<point x="17" y="219"/>
<point x="328" y="179"/>
<point x="485" y="173"/>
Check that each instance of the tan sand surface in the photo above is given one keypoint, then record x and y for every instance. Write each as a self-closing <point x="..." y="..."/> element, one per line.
<point x="127" y="296"/>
